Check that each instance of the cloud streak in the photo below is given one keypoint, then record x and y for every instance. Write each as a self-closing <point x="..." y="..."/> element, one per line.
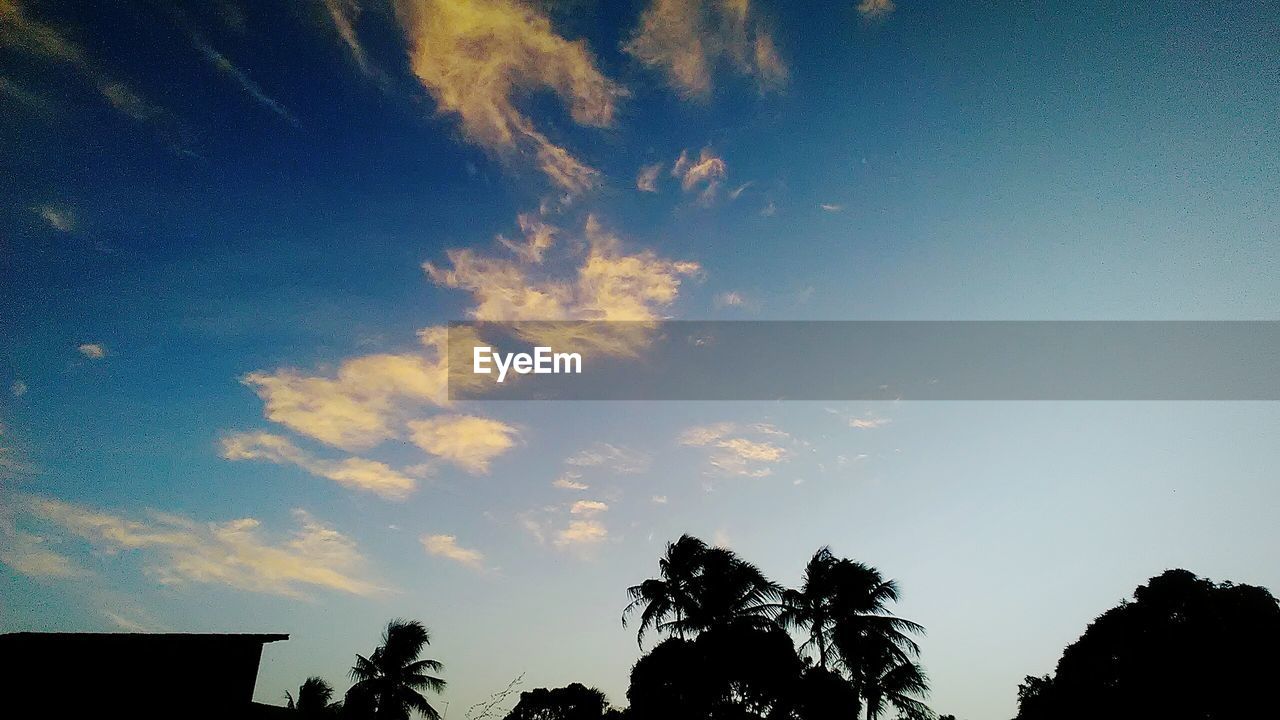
<point x="446" y="546"/>
<point x="178" y="551"/>
<point x="354" y="472"/>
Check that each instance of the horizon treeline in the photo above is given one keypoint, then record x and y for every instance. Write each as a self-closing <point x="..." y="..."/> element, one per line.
<point x="735" y="645"/>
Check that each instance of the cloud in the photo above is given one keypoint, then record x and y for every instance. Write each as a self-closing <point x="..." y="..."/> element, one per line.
<point x="647" y="178"/>
<point x="27" y="35"/>
<point x="477" y="57"/>
<point x="58" y="218"/>
<point x="582" y="533"/>
<point x="344" y="14"/>
<point x="93" y="351"/>
<point x="573" y="528"/>
<point x="872" y="9"/>
<point x="468" y="441"/>
<point x="539" y="237"/>
<point x="867" y="423"/>
<point x="831" y="208"/>
<point x="18" y="388"/>
<point x="769" y="210"/>
<point x="446" y="546"/>
<point x="736" y="192"/>
<point x="659" y="499"/>
<point x="570" y="481"/>
<point x="606" y="283"/>
<point x="354" y="472"/>
<point x="730" y="299"/>
<point x="177" y="550"/>
<point x="226" y="67"/>
<point x="702" y="176"/>
<point x="588" y="507"/>
<point x="620" y="460"/>
<point x="29" y="555"/>
<point x="689" y="39"/>
<point x="737" y="450"/>
<point x="364" y="402"/>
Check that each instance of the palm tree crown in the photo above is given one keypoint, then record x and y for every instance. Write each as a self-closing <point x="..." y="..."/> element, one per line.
<point x="313" y="697"/>
<point x="393" y="678"/>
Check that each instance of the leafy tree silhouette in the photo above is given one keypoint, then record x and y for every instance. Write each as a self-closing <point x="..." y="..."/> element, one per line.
<point x="572" y="702"/>
<point x="313" y="701"/>
<point x="700" y="587"/>
<point x="390" y="682"/>
<point x="1184" y="648"/>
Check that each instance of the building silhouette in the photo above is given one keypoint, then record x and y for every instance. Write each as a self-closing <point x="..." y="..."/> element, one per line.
<point x="133" y="675"/>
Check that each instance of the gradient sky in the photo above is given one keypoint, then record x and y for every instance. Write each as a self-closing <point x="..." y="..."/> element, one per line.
<point x="227" y="231"/>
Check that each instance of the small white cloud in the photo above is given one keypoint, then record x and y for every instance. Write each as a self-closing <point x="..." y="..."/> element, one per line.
<point x="647" y="178"/>
<point x="702" y="175"/>
<point x="734" y="193"/>
<point x="769" y="210"/>
<point x="737" y="450"/>
<point x="732" y="298"/>
<point x="660" y="499"/>
<point x="868" y="422"/>
<point x="831" y="208"/>
<point x="570" y="481"/>
<point x="872" y="9"/>
<point x="93" y="351"/>
<point x="588" y="507"/>
<point x="446" y="546"/>
<point x="58" y="218"/>
<point x="618" y="459"/>
<point x="18" y="388"/>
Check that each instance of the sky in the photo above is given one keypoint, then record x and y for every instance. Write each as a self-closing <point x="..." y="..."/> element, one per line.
<point x="231" y="234"/>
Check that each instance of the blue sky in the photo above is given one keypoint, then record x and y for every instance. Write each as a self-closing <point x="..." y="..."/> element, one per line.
<point x="219" y="412"/>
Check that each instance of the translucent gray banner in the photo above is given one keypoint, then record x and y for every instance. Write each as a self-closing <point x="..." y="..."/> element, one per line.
<point x="890" y="360"/>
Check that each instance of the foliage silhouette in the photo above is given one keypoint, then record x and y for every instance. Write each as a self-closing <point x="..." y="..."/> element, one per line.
<point x="700" y="587"/>
<point x="572" y="702"/>
<point x="390" y="682"/>
<point x="1184" y="648"/>
<point x="314" y="699"/>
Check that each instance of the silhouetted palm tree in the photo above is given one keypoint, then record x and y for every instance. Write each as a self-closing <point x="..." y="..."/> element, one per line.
<point x="701" y="587"/>
<point x="811" y="607"/>
<point x="838" y="594"/>
<point x="393" y="677"/>
<point x="671" y="593"/>
<point x="314" y="696"/>
<point x="885" y="680"/>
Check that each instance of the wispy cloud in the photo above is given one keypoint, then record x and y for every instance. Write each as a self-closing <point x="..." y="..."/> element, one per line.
<point x="577" y="528"/>
<point x="31" y="555"/>
<point x="359" y="473"/>
<point x="828" y="207"/>
<point x="344" y="14"/>
<point x="251" y="88"/>
<point x="588" y="507"/>
<point x="177" y="550"/>
<point x="446" y="546"/>
<point x="476" y="57"/>
<point x="20" y="31"/>
<point x="738" y="450"/>
<point x="93" y="351"/>
<point x="468" y="441"/>
<point x="570" y="481"/>
<point x="733" y="298"/>
<point x="18" y="388"/>
<point x="647" y="178"/>
<point x="703" y="175"/>
<point x="58" y="218"/>
<point x="872" y="9"/>
<point x="689" y="39"/>
<point x="621" y="460"/>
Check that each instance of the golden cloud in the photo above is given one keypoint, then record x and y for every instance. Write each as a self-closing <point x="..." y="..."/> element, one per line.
<point x="703" y="175"/>
<point x="447" y="546"/>
<point x="872" y="9"/>
<point x="468" y="441"/>
<point x="736" y="449"/>
<point x="30" y="555"/>
<point x="178" y="550"/>
<point x="477" y="57"/>
<point x="689" y="39"/>
<point x="354" y="472"/>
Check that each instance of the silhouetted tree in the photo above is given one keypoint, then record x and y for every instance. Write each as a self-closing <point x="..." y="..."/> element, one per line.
<point x="823" y="694"/>
<point x="572" y="702"/>
<point x="314" y="697"/>
<point x="1185" y="648"/>
<point x="392" y="679"/>
<point x="700" y="587"/>
<point x="884" y="679"/>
